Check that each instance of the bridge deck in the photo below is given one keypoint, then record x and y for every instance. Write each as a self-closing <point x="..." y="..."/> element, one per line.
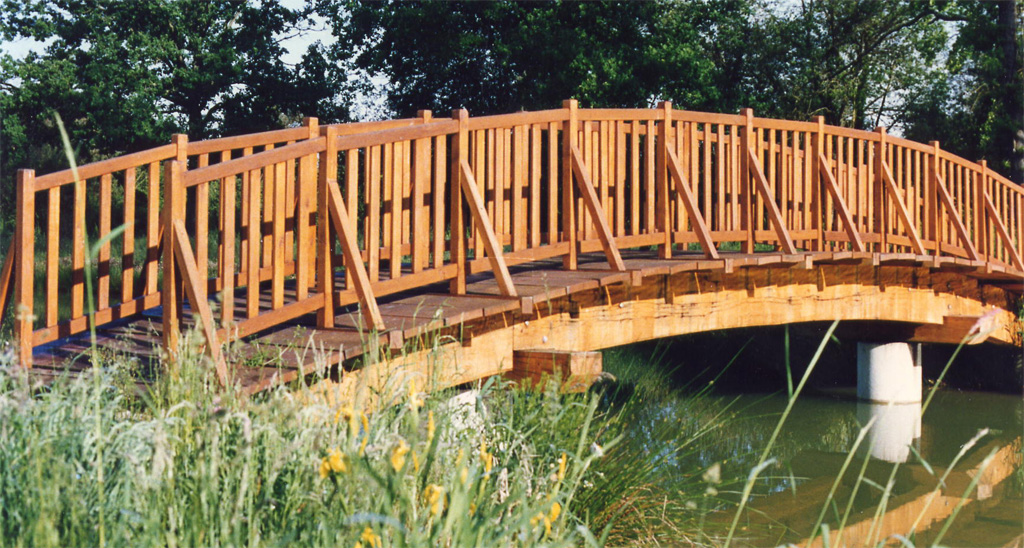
<point x="298" y="347"/>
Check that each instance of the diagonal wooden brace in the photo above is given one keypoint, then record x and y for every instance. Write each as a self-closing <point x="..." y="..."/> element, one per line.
<point x="353" y="258"/>
<point x="958" y="222"/>
<point x="761" y="184"/>
<point x="1004" y="235"/>
<point x="683" y="189"/>
<point x="7" y="279"/>
<point x="844" y="212"/>
<point x="483" y="224"/>
<point x="901" y="210"/>
<point x="596" y="211"/>
<point x="191" y="278"/>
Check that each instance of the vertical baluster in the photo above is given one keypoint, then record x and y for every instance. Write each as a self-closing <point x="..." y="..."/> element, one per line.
<point x="352" y="202"/>
<point x="661" y="180"/>
<point x="634" y="177"/>
<point x="128" y="238"/>
<point x="52" y="255"/>
<point x="520" y="169"/>
<point x="227" y="245"/>
<point x="152" y="229"/>
<point x="252" y="258"/>
<point x="202" y="209"/>
<point x="553" y="184"/>
<point x="650" y="180"/>
<point x="569" y="140"/>
<point x="269" y="182"/>
<point x="460" y="153"/>
<point x="398" y="182"/>
<point x="103" y="258"/>
<point x="535" y="178"/>
<point x="324" y="253"/>
<point x="24" y="234"/>
<point x="440" y="183"/>
<point x="373" y="207"/>
<point x="248" y="178"/>
<point x="278" y="236"/>
<point x="420" y="213"/>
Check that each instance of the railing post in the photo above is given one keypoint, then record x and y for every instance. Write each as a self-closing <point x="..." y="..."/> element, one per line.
<point x="305" y="195"/>
<point x="881" y="204"/>
<point x="569" y="139"/>
<point x="171" y="294"/>
<point x="932" y="192"/>
<point x="25" y="230"/>
<point x="747" y="220"/>
<point x="817" y="196"/>
<point x="420" y="215"/>
<point x="457" y="243"/>
<point x="324" y="250"/>
<point x="981" y="225"/>
<point x="664" y="220"/>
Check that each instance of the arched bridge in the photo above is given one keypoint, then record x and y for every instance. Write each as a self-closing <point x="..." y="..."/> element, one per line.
<point x="452" y="244"/>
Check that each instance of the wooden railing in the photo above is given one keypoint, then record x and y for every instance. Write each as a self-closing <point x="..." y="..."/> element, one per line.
<point x="260" y="229"/>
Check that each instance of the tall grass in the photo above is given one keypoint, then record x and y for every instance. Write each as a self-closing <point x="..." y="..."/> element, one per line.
<point x="84" y="463"/>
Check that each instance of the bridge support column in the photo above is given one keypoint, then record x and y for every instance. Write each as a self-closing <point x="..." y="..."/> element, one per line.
<point x="888" y="373"/>
<point x="889" y="380"/>
<point x="575" y="370"/>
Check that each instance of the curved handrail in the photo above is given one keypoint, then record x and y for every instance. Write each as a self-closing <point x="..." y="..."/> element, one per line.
<point x="423" y="200"/>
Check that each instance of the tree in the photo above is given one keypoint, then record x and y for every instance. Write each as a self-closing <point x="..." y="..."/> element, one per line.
<point x="977" y="110"/>
<point x="125" y="75"/>
<point x="494" y="57"/>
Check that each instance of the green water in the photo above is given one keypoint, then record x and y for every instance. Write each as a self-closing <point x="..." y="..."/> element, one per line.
<point x="903" y="455"/>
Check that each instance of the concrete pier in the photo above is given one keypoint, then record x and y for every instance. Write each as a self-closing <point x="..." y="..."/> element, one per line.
<point x="889" y="373"/>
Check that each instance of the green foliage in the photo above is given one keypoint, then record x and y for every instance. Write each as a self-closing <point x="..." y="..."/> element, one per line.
<point x="84" y="464"/>
<point x="126" y="75"/>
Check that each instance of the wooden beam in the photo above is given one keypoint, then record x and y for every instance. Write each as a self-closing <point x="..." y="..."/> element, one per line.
<point x="604" y="233"/>
<point x="837" y="197"/>
<point x="958" y="222"/>
<point x="170" y="292"/>
<point x="479" y="214"/>
<point x="761" y="183"/>
<point x="24" y="238"/>
<point x="901" y="209"/>
<point x="190" y="274"/>
<point x="1004" y="235"/>
<point x="683" y="188"/>
<point x="328" y="170"/>
<point x="6" y="279"/>
<point x="353" y="258"/>
<point x="569" y="138"/>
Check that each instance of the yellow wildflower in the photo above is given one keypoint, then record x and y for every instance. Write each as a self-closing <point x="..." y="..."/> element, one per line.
<point x="472" y="508"/>
<point x="464" y="475"/>
<point x="365" y="421"/>
<point x="434" y="496"/>
<point x="362" y="445"/>
<point x="561" y="467"/>
<point x="325" y="468"/>
<point x="351" y="417"/>
<point x="539" y="518"/>
<point x="370" y="538"/>
<point x="430" y="425"/>
<point x="337" y="461"/>
<point x="415" y="402"/>
<point x="398" y="455"/>
<point x="556" y="510"/>
<point x="486" y="458"/>
<point x="415" y="461"/>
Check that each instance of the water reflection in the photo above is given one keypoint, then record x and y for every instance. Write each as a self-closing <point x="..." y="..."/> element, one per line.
<point x="895" y="428"/>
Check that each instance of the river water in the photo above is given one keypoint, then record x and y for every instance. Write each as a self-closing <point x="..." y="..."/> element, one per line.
<point x="949" y="472"/>
<point x="897" y="478"/>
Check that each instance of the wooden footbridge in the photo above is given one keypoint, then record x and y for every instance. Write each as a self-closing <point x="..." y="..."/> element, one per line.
<point x="458" y="248"/>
